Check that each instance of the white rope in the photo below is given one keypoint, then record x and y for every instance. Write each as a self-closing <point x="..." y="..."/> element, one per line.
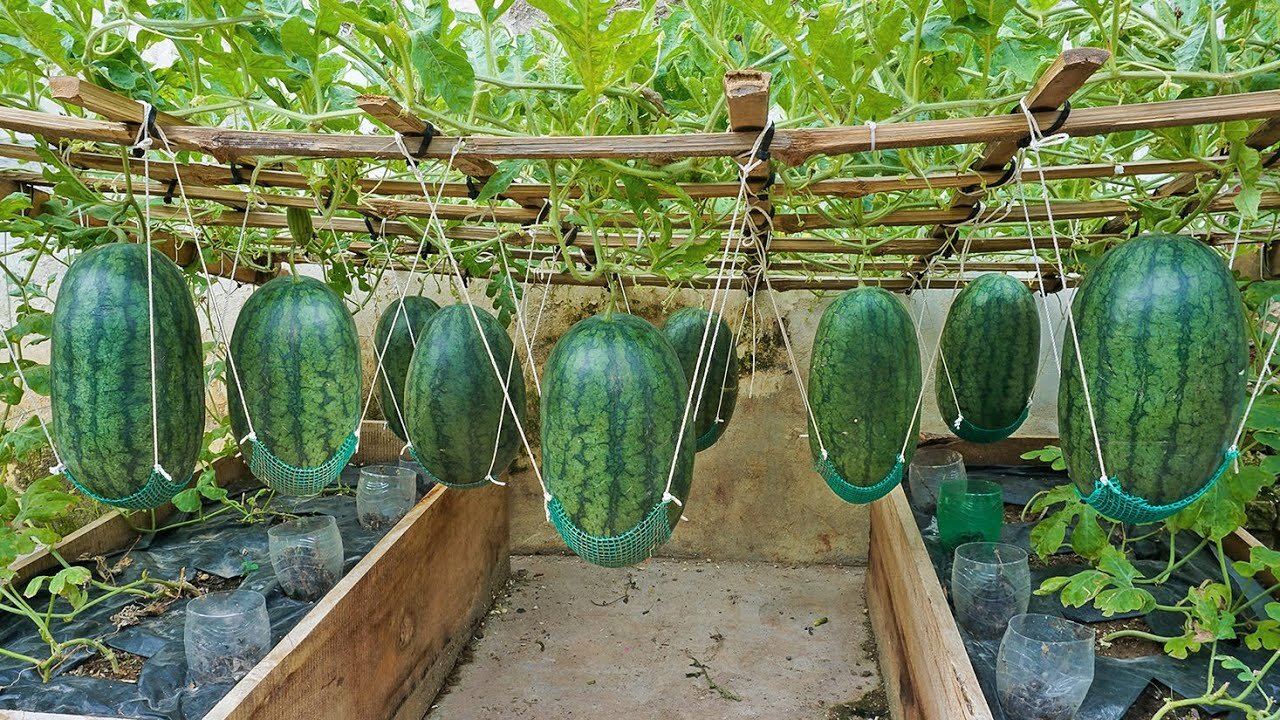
<point x="143" y="143"/>
<point x="1235" y="242"/>
<point x="1037" y="141"/>
<point x="218" y="326"/>
<point x="871" y="127"/>
<point x="433" y="221"/>
<point x="740" y="212"/>
<point x="511" y="364"/>
<point x="1263" y="379"/>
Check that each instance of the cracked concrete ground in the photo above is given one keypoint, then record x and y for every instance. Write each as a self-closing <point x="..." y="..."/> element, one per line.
<point x="669" y="639"/>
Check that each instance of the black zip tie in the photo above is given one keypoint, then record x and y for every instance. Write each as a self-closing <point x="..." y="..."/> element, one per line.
<point x="373" y="233"/>
<point x="236" y="177"/>
<point x="149" y="122"/>
<point x="766" y="139"/>
<point x="428" y="134"/>
<point x="1010" y="168"/>
<point x="168" y="193"/>
<point x="542" y="214"/>
<point x="473" y="189"/>
<point x="1063" y="113"/>
<point x="1275" y="157"/>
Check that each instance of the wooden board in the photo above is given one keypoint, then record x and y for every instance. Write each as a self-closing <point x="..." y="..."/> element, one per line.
<point x="382" y="642"/>
<point x="926" y="670"/>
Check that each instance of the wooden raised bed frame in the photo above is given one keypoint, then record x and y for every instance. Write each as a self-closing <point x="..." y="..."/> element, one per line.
<point x="382" y="643"/>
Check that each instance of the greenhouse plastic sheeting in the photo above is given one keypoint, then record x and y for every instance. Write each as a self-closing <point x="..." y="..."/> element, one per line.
<point x="221" y="547"/>
<point x="1117" y="683"/>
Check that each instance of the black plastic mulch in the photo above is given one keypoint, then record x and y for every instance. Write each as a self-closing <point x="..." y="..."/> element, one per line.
<point x="221" y="547"/>
<point x="1117" y="683"/>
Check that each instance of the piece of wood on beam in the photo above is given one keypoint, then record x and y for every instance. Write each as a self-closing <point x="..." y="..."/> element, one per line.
<point x="1051" y="91"/>
<point x="99" y="100"/>
<point x="390" y="113"/>
<point x="1262" y="137"/>
<point x="747" y="93"/>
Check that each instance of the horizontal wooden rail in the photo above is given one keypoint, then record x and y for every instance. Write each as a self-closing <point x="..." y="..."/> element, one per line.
<point x="792" y="146"/>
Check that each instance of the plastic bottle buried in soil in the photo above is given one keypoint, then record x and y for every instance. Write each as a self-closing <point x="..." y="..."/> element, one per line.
<point x="306" y="554"/>
<point x="225" y="635"/>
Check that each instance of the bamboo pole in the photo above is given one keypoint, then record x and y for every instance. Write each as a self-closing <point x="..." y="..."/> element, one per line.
<point x="791" y="146"/>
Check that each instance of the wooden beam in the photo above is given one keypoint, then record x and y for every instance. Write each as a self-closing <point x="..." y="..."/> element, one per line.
<point x="1051" y="91"/>
<point x="926" y="669"/>
<point x="390" y="113"/>
<point x="792" y="146"/>
<point x="202" y="174"/>
<point x="1264" y="136"/>
<point x="95" y="99"/>
<point x="747" y="95"/>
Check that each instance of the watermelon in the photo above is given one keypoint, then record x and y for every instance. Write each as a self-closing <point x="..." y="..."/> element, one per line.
<point x="100" y="372"/>
<point x="394" y="338"/>
<point x="1163" y="349"/>
<point x="455" y="410"/>
<point x="864" y="388"/>
<point x="296" y="358"/>
<point x="717" y="380"/>
<point x="990" y="356"/>
<point x="613" y="396"/>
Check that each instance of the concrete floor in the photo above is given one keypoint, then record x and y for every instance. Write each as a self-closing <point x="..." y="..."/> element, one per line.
<point x="570" y="640"/>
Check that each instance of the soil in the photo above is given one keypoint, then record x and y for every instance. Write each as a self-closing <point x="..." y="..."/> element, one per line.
<point x="376" y="521"/>
<point x="1153" y="698"/>
<point x="207" y="583"/>
<point x="1128" y="647"/>
<point x="303" y="573"/>
<point x="1029" y="701"/>
<point x="1064" y="559"/>
<point x="129" y="667"/>
<point x="994" y="601"/>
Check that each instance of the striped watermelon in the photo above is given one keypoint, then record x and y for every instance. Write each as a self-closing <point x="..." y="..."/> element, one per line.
<point x="989" y="358"/>
<point x="394" y="338"/>
<point x="1163" y="349"/>
<point x="454" y="404"/>
<point x="613" y="396"/>
<point x="717" y="380"/>
<point x="864" y="385"/>
<point x="296" y="358"/>
<point x="100" y="371"/>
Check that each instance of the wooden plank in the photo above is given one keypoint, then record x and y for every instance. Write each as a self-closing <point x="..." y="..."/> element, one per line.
<point x="926" y="670"/>
<point x="382" y="642"/>
<point x="1237" y="547"/>
<point x="389" y="112"/>
<point x="792" y="146"/>
<point x="96" y="99"/>
<point x="112" y="531"/>
<point x="1051" y="91"/>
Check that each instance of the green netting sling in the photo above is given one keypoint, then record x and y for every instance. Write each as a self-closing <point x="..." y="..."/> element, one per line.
<point x="291" y="479"/>
<point x="859" y="493"/>
<point x="613" y="551"/>
<point x="973" y="433"/>
<point x="1109" y="499"/>
<point x="158" y="490"/>
<point x="453" y="485"/>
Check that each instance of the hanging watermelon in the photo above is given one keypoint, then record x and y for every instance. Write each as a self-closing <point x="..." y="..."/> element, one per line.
<point x="394" y="338"/>
<point x="101" y="377"/>
<point x="864" y="390"/>
<point x="717" y="373"/>
<point x="296" y="359"/>
<point x="1162" y="356"/>
<point x="989" y="358"/>
<point x="455" y="411"/>
<point x="614" y="394"/>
